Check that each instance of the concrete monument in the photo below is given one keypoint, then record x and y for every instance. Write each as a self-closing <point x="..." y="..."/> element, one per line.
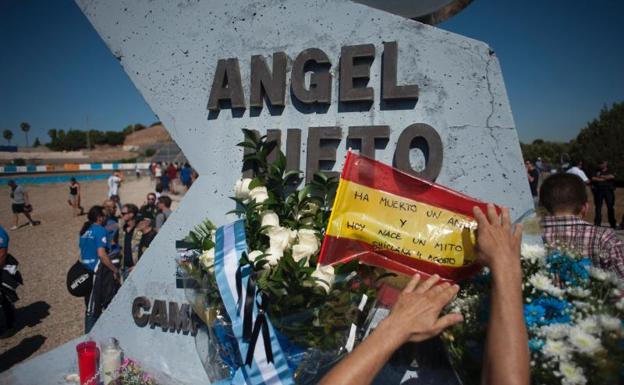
<point x="321" y="76"/>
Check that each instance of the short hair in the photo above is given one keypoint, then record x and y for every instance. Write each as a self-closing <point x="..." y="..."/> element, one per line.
<point x="164" y="199"/>
<point x="563" y="192"/>
<point x="132" y="208"/>
<point x="151" y="195"/>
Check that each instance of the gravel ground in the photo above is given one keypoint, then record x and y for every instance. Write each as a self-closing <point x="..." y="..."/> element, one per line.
<point x="47" y="315"/>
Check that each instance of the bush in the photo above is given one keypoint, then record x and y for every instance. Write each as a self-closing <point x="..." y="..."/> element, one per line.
<point x="150" y="152"/>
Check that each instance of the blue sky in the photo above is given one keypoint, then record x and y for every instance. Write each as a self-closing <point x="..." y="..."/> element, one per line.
<point x="561" y="60"/>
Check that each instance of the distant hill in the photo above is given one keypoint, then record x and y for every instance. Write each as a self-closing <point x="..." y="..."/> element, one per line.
<point x="156" y="134"/>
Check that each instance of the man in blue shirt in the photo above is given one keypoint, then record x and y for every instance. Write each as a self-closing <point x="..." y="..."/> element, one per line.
<point x="91" y="241"/>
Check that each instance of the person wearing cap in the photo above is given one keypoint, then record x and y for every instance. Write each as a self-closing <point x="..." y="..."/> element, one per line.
<point x="20" y="204"/>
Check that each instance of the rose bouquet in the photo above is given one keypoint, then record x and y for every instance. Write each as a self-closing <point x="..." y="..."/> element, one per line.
<point x="316" y="312"/>
<point x="573" y="313"/>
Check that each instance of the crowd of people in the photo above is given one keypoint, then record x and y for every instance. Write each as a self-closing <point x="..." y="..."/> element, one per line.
<point x="166" y="173"/>
<point x="114" y="238"/>
<point x="601" y="182"/>
<point x="116" y="235"/>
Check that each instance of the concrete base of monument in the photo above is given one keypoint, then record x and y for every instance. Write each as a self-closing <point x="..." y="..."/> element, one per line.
<point x="170" y="353"/>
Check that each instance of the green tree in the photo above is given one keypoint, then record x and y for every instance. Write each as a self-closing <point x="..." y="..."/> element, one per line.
<point x="24" y="126"/>
<point x="37" y="143"/>
<point x="602" y="139"/>
<point x="8" y="135"/>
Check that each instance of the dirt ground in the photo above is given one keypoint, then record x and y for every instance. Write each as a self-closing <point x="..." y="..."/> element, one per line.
<point x="47" y="315"/>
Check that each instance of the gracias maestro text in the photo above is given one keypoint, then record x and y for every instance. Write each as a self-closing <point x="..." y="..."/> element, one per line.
<point x="311" y="85"/>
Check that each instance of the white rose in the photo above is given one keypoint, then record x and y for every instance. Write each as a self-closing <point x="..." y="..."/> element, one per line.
<point x="252" y="256"/>
<point x="306" y="247"/>
<point x="273" y="256"/>
<point x="259" y="194"/>
<point x="269" y="218"/>
<point x="324" y="276"/>
<point x="206" y="259"/>
<point x="308" y="237"/>
<point x="241" y="189"/>
<point x="300" y="252"/>
<point x="279" y="238"/>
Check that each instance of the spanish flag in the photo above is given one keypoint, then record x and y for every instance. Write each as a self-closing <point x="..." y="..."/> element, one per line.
<point x="387" y="218"/>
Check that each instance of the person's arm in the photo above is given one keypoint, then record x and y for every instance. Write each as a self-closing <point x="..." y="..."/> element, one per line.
<point x="507" y="351"/>
<point x="415" y="317"/>
<point x="26" y="198"/>
<point x="106" y="260"/>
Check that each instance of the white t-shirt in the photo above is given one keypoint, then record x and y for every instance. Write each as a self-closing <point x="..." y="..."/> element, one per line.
<point x="578" y="172"/>
<point x="113" y="185"/>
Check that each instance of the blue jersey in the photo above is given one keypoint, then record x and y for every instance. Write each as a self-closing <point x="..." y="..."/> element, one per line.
<point x="4" y="239"/>
<point x="185" y="175"/>
<point x="92" y="240"/>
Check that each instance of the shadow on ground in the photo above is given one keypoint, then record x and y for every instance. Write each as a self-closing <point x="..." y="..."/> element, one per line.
<point x="22" y="351"/>
<point x="31" y="314"/>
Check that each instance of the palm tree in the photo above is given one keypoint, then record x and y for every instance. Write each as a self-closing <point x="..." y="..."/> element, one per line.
<point x="25" y="127"/>
<point x="8" y="135"/>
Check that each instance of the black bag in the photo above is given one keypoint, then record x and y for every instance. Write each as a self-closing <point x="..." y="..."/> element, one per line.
<point x="10" y="280"/>
<point x="79" y="280"/>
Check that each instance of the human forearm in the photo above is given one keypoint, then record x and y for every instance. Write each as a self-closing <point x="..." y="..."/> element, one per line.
<point x="507" y="353"/>
<point x="362" y="365"/>
<point x="106" y="261"/>
<point x="3" y="257"/>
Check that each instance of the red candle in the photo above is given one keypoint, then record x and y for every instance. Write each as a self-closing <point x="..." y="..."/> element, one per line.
<point x="88" y="359"/>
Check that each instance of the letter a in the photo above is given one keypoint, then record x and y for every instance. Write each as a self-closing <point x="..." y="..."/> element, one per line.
<point x="226" y="86"/>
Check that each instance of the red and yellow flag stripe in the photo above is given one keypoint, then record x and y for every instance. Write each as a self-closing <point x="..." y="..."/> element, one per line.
<point x="384" y="217"/>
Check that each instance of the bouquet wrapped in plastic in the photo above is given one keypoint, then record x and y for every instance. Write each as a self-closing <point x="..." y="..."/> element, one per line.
<point x="276" y="306"/>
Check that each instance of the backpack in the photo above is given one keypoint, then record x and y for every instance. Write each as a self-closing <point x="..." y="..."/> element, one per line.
<point x="79" y="280"/>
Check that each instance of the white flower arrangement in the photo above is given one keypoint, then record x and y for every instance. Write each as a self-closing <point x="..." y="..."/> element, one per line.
<point x="573" y="312"/>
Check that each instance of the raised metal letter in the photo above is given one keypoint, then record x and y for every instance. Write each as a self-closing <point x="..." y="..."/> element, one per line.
<point x="426" y="138"/>
<point x="266" y="82"/>
<point x="159" y="315"/>
<point x="355" y="64"/>
<point x="367" y="136"/>
<point x="226" y="86"/>
<point x="389" y="88"/>
<point x="317" y="152"/>
<point x="140" y="306"/>
<point x="315" y="60"/>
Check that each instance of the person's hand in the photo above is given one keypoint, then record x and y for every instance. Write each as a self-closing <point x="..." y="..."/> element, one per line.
<point x="497" y="245"/>
<point x="416" y="314"/>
